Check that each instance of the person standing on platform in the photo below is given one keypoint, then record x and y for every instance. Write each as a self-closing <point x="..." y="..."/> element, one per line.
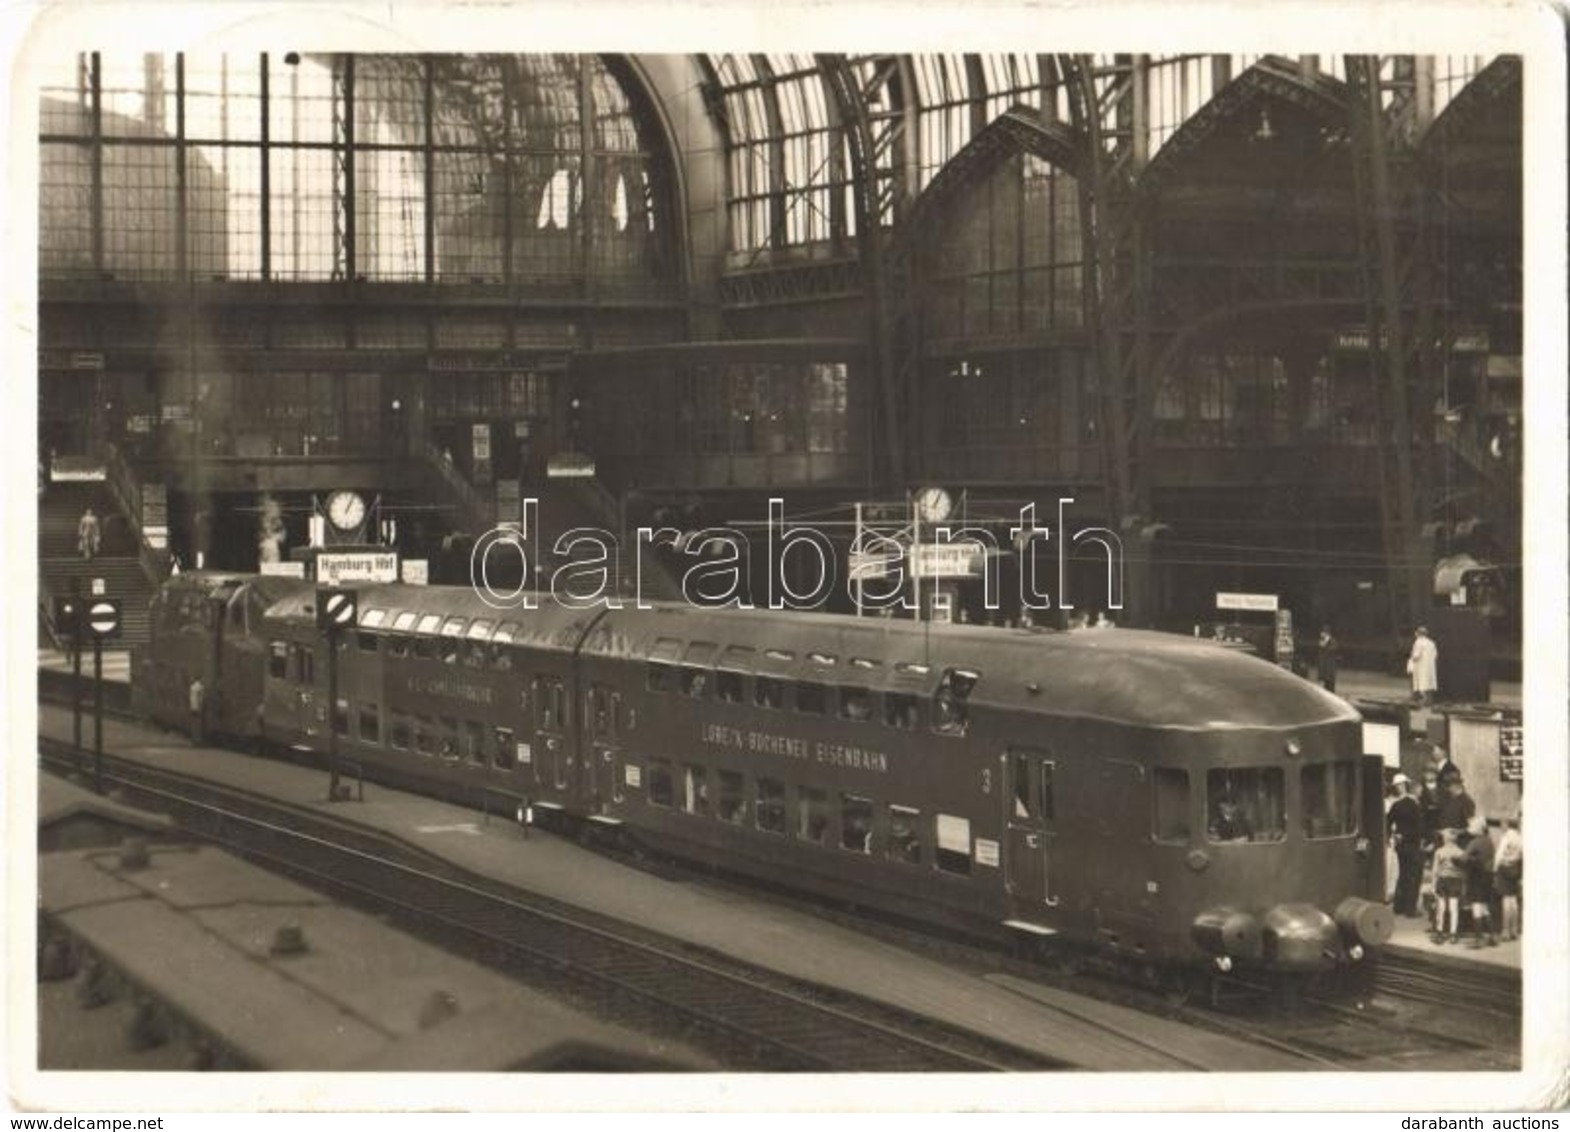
<point x="1405" y="825"/>
<point x="1480" y="884"/>
<point x="1329" y="658"/>
<point x="1423" y="667"/>
<point x="1449" y="884"/>
<point x="1428" y="803"/>
<point x="1507" y="879"/>
<point x="88" y="533"/>
<point x="1456" y="808"/>
<point x="198" y="706"/>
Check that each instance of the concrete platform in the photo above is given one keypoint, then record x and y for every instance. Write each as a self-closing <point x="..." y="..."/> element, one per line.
<point x="193" y="932"/>
<point x="1412" y="935"/>
<point x="751" y="929"/>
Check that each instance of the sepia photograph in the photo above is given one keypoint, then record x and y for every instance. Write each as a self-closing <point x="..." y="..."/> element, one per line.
<point x="730" y="568"/>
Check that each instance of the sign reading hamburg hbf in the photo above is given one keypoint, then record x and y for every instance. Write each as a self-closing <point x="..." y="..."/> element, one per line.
<point x="356" y="568"/>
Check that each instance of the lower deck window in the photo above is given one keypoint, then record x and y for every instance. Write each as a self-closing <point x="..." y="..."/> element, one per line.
<point x="904" y="835"/>
<point x="899" y="710"/>
<point x="278" y="660"/>
<point x="1245" y="804"/>
<point x="341" y="716"/>
<point x="768" y="692"/>
<point x="370" y="725"/>
<point x="695" y="799"/>
<point x="771" y="805"/>
<point x="1171" y="805"/>
<point x="398" y="734"/>
<point x="424" y="735"/>
<point x="662" y="787"/>
<point x="474" y="742"/>
<point x="733" y="798"/>
<point x="953" y="844"/>
<point x="504" y="756"/>
<point x="855" y="823"/>
<point x="812" y="814"/>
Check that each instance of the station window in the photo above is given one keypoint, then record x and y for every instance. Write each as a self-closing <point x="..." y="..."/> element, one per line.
<point x="662" y="786"/>
<point x="398" y="734"/>
<point x="951" y="704"/>
<point x="811" y="697"/>
<point x="855" y="823"/>
<point x="904" y="835"/>
<point x="733" y="798"/>
<point x="1330" y="799"/>
<point x="771" y="805"/>
<point x="953" y="844"/>
<point x="695" y="682"/>
<point x="278" y="660"/>
<point x="341" y="716"/>
<point x="1170" y="784"/>
<point x="899" y="710"/>
<point x="370" y="724"/>
<point x="768" y="692"/>
<point x="812" y="814"/>
<point x="695" y="792"/>
<point x="366" y="641"/>
<point x="1245" y="804"/>
<point x="474" y="742"/>
<point x="504" y="756"/>
<point x="855" y="703"/>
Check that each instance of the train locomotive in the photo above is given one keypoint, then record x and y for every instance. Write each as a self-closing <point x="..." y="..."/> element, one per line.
<point x="1163" y="801"/>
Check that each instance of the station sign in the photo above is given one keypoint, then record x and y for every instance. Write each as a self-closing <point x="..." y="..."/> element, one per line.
<point x="336" y="609"/>
<point x="416" y="571"/>
<point x="569" y="466"/>
<point x="957" y="560"/>
<point x="283" y="569"/>
<point x="345" y="568"/>
<point x="1258" y="603"/>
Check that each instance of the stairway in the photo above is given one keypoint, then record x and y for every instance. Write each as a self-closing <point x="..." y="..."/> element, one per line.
<point x="118" y="562"/>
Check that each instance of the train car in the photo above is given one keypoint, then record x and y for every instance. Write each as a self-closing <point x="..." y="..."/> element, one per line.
<point x="1165" y="801"/>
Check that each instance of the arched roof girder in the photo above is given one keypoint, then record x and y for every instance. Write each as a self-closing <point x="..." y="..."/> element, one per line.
<point x="1020" y="129"/>
<point x="1475" y="103"/>
<point x="1272" y="78"/>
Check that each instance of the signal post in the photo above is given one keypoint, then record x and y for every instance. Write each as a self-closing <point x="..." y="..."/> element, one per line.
<point x="103" y="623"/>
<point x="336" y="610"/>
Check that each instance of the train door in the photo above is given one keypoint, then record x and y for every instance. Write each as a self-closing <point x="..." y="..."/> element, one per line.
<point x="603" y="719"/>
<point x="1030" y="866"/>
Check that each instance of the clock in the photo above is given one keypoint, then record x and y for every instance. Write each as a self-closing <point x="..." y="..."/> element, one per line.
<point x="933" y="504"/>
<point x="346" y="510"/>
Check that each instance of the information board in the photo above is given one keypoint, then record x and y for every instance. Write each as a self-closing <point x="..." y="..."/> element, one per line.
<point x="1510" y="754"/>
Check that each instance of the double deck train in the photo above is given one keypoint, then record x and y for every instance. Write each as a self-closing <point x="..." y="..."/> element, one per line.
<point x="1154" y="797"/>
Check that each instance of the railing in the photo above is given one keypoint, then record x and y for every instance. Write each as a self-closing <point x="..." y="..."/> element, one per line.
<point x="480" y="511"/>
<point x="127" y="491"/>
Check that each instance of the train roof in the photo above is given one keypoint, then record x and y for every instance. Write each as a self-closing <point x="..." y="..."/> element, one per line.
<point x="1128" y="676"/>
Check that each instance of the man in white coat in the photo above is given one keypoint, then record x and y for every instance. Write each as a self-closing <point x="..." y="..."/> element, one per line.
<point x="1423" y="666"/>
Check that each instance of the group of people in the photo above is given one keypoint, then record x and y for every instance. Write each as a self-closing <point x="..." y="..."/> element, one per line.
<point x="1422" y="663"/>
<point x="1447" y="855"/>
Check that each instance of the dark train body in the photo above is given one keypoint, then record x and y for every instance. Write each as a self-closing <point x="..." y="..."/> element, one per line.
<point x="1158" y="798"/>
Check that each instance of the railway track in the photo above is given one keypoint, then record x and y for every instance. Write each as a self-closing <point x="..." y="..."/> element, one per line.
<point x="749" y="1018"/>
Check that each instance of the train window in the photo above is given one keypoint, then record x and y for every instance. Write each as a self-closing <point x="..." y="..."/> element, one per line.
<point x="549" y="704"/>
<point x="855" y="703"/>
<point x="661" y="677"/>
<point x="474" y="742"/>
<point x="899" y="710"/>
<point x="305" y="665"/>
<point x="768" y="692"/>
<point x="454" y="626"/>
<point x="1171" y="805"/>
<point x="784" y="656"/>
<point x="480" y="630"/>
<point x="1245" y="804"/>
<point x="425" y="648"/>
<point x="498" y="657"/>
<point x="1049" y="808"/>
<point x="695" y="682"/>
<point x="366" y="641"/>
<point x="398" y="646"/>
<point x="733" y="798"/>
<point x="505" y="633"/>
<point x="662" y="787"/>
<point x="398" y="733"/>
<point x="695" y="793"/>
<point x="771" y="805"/>
<point x="855" y="823"/>
<point x="474" y="654"/>
<point x="951" y="703"/>
<point x="449" y="648"/>
<point x="812" y="814"/>
<point x="730" y="686"/>
<point x="953" y="844"/>
<point x="430" y="623"/>
<point x="1024" y="802"/>
<point x="904" y="835"/>
<point x="341" y="716"/>
<point x="424" y="735"/>
<point x="1329" y="799"/>
<point x="504" y="756"/>
<point x="864" y="664"/>
<point x="449" y="737"/>
<point x="370" y="724"/>
<point x="372" y="618"/>
<point x="278" y="660"/>
<point x="404" y="622"/>
<point x="811" y="697"/>
<point x="600" y="711"/>
<point x="823" y="659"/>
<point x="906" y="668"/>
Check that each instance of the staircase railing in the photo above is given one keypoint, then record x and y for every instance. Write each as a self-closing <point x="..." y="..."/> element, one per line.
<point x="480" y="511"/>
<point x="127" y="491"/>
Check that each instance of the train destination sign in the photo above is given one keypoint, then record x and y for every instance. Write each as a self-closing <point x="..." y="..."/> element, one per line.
<point x="790" y="747"/>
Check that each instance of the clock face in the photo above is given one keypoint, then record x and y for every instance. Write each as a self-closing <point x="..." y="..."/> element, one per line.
<point x="345" y="510"/>
<point x="934" y="504"/>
